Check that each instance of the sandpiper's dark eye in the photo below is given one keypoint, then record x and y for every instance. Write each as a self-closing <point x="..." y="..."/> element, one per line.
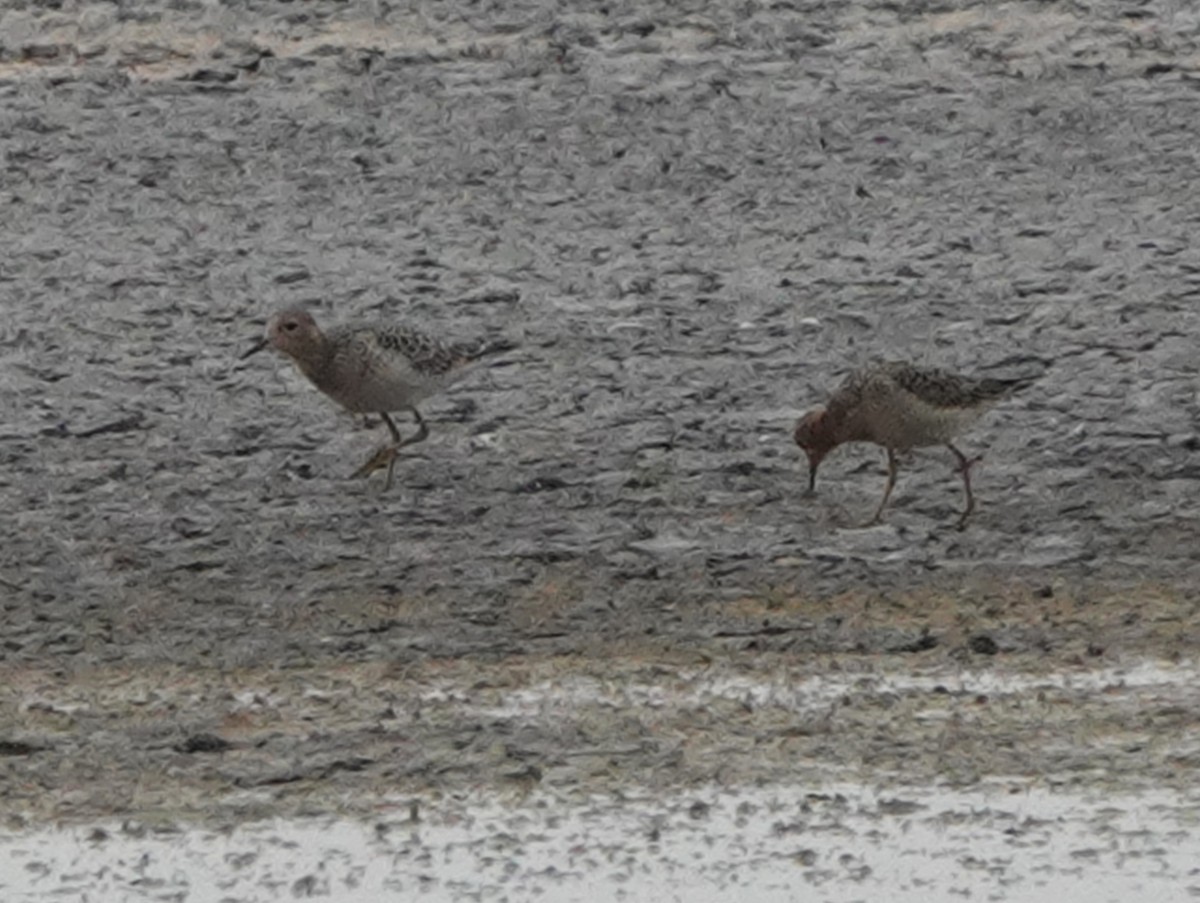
<point x="291" y="326"/>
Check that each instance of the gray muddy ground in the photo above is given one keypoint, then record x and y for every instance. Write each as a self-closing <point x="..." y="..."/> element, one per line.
<point x="695" y="217"/>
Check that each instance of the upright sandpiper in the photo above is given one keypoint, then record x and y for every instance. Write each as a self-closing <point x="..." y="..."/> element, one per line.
<point x="373" y="369"/>
<point x="901" y="406"/>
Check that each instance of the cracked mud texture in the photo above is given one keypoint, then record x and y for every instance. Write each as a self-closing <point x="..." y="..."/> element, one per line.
<point x="695" y="219"/>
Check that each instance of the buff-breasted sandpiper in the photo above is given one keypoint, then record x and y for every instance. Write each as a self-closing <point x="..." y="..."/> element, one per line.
<point x="373" y="369"/>
<point x="901" y="406"/>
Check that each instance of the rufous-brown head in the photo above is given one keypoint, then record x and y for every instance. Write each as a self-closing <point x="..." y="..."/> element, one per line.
<point x="292" y="331"/>
<point x="815" y="437"/>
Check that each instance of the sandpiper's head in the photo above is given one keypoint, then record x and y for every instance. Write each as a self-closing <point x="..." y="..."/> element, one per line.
<point x="292" y="331"/>
<point x="814" y="436"/>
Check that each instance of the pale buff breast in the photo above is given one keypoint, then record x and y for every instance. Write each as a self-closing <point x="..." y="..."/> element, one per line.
<point x="364" y="378"/>
<point x="901" y="421"/>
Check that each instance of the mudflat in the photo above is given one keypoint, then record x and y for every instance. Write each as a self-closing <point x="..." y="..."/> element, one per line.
<point x="601" y="571"/>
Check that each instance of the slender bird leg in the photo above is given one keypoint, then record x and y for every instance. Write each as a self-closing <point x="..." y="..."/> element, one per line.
<point x="422" y="430"/>
<point x="964" y="467"/>
<point x="391" y="429"/>
<point x="887" y="490"/>
<point x="386" y="456"/>
<point x="419" y="436"/>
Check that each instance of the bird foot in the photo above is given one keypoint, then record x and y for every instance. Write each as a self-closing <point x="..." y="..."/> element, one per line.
<point x="873" y="522"/>
<point x="383" y="457"/>
<point x="961" y="524"/>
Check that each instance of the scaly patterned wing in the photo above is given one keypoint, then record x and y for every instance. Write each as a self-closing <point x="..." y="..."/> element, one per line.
<point x="943" y="389"/>
<point x="425" y="354"/>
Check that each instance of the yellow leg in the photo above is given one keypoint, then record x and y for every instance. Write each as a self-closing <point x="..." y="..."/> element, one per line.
<point x="386" y="456"/>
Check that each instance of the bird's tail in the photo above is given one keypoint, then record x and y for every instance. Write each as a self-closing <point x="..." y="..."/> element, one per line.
<point x="998" y="386"/>
<point x="485" y="348"/>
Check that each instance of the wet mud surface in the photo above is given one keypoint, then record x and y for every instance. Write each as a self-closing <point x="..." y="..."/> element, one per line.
<point x="694" y="219"/>
<point x="999" y="841"/>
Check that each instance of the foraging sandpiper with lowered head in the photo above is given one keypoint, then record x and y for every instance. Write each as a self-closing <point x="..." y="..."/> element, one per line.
<point x="373" y="369"/>
<point x="901" y="406"/>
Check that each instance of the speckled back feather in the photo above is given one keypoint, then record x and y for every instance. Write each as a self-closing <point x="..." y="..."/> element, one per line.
<point x="425" y="355"/>
<point x="931" y="385"/>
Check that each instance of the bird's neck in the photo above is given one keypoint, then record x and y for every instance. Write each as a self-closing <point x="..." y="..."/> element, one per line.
<point x="317" y="363"/>
<point x="843" y="426"/>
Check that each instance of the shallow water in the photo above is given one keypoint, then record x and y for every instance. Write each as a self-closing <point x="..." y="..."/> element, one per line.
<point x="836" y="841"/>
<point x="1137" y="682"/>
<point x="1079" y="834"/>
